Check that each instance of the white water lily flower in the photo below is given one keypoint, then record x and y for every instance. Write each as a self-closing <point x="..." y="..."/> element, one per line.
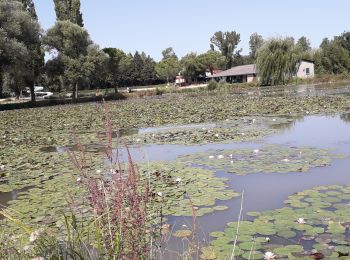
<point x="78" y="179"/>
<point x="267" y="239"/>
<point x="98" y="171"/>
<point x="256" y="150"/>
<point x="160" y="194"/>
<point x="231" y="155"/>
<point x="231" y="161"/>
<point x="274" y="119"/>
<point x="269" y="256"/>
<point x="178" y="179"/>
<point x="220" y="156"/>
<point x="211" y="156"/>
<point x="301" y="221"/>
<point x="216" y="135"/>
<point x="34" y="235"/>
<point x="2" y="167"/>
<point x="138" y="140"/>
<point x="285" y="160"/>
<point x="242" y="133"/>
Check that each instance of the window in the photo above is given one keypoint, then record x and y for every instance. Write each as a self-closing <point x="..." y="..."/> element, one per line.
<point x="307" y="71"/>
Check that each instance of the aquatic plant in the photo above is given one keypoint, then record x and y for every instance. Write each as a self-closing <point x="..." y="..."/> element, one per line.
<point x="267" y="159"/>
<point x="324" y="227"/>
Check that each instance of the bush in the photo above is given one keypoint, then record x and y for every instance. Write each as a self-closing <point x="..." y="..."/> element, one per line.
<point x="212" y="85"/>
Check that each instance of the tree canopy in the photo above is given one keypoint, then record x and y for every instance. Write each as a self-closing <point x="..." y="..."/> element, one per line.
<point x="226" y="42"/>
<point x="20" y="53"/>
<point x="256" y="41"/>
<point x="69" y="10"/>
<point x="277" y="61"/>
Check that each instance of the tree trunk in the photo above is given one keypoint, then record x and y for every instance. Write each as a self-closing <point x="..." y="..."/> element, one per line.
<point x="32" y="94"/>
<point x="1" y="82"/>
<point x="76" y="91"/>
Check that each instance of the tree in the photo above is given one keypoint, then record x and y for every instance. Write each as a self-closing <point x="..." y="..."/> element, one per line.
<point x="255" y="42"/>
<point x="95" y="66"/>
<point x="211" y="60"/>
<point x="277" y="60"/>
<point x="344" y="40"/>
<point x="115" y="57"/>
<point x="36" y="53"/>
<point x="332" y="58"/>
<point x="227" y="43"/>
<point x="304" y="44"/>
<point x="169" y="53"/>
<point x="191" y="67"/>
<point x="69" y="10"/>
<point x="148" y="72"/>
<point x="71" y="43"/>
<point x="19" y="40"/>
<point x="168" y="68"/>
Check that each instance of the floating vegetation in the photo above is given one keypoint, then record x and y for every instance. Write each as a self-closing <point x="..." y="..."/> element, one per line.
<point x="198" y="189"/>
<point x="324" y="230"/>
<point x="183" y="233"/>
<point x="267" y="159"/>
<point x="231" y="130"/>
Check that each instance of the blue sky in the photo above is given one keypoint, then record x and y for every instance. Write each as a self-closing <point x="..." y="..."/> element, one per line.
<point x="187" y="25"/>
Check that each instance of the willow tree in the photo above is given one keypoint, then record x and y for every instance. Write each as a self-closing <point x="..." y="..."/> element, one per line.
<point x="277" y="61"/>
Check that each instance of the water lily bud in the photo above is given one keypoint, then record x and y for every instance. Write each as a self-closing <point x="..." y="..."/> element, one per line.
<point x="269" y="256"/>
<point x="301" y="221"/>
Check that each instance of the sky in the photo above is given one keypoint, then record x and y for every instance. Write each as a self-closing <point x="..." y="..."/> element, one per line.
<point x="187" y="25"/>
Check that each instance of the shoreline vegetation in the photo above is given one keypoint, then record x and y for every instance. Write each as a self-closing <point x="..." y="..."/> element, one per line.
<point x="158" y="90"/>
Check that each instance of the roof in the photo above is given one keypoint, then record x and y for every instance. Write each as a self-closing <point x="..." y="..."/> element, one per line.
<point x="306" y="60"/>
<point x="236" y="71"/>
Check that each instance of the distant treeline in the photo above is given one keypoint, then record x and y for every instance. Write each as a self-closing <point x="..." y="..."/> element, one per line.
<point x="77" y="63"/>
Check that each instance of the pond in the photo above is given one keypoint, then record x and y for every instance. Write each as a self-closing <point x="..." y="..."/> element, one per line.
<point x="269" y="157"/>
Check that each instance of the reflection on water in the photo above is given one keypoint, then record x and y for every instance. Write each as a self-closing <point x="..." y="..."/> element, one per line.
<point x="345" y="117"/>
<point x="5" y="197"/>
<point x="299" y="90"/>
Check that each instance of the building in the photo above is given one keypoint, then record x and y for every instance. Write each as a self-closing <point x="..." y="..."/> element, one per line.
<point x="238" y="74"/>
<point x="248" y="73"/>
<point x="306" y="69"/>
